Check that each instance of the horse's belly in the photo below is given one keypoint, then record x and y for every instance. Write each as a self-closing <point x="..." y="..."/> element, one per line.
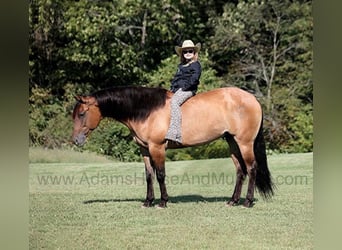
<point x="203" y="127"/>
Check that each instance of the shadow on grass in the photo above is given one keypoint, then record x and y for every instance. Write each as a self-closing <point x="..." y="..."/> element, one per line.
<point x="111" y="200"/>
<point x="196" y="198"/>
<point x="200" y="198"/>
<point x="193" y="198"/>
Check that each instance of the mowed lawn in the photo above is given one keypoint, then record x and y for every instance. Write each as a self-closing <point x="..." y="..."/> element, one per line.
<point x="98" y="206"/>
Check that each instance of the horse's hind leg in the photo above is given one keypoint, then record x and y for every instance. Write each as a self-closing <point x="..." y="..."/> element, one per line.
<point x="149" y="170"/>
<point x="249" y="159"/>
<point x="240" y="177"/>
<point x="240" y="169"/>
<point x="251" y="185"/>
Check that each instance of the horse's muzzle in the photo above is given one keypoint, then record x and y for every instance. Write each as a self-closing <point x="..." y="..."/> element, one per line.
<point x="80" y="139"/>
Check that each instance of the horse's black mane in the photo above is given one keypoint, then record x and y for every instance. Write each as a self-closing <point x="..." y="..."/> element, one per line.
<point x="133" y="102"/>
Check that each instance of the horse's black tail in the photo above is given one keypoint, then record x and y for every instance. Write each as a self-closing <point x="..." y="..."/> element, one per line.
<point x="263" y="180"/>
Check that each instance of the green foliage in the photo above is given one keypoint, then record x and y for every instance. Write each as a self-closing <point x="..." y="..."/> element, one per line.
<point x="301" y="129"/>
<point x="106" y="42"/>
<point x="113" y="139"/>
<point x="51" y="125"/>
<point x="163" y="75"/>
<point x="77" y="47"/>
<point x="98" y="45"/>
<point x="270" y="54"/>
<point x="216" y="149"/>
<point x="50" y="122"/>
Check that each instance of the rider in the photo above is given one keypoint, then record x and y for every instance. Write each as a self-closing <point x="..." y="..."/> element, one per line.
<point x="184" y="85"/>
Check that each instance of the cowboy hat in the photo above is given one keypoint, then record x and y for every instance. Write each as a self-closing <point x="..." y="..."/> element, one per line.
<point x="187" y="44"/>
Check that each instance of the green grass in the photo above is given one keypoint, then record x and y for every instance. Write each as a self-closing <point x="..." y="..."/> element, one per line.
<point x="41" y="155"/>
<point x="97" y="206"/>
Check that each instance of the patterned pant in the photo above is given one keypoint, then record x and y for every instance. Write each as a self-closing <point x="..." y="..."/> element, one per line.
<point x="174" y="133"/>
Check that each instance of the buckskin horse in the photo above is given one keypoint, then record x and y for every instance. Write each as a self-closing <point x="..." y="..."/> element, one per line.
<point x="230" y="112"/>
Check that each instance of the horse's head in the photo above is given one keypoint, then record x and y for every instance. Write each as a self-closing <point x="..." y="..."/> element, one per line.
<point x="86" y="116"/>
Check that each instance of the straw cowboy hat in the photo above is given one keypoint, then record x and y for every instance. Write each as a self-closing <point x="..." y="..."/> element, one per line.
<point x="187" y="44"/>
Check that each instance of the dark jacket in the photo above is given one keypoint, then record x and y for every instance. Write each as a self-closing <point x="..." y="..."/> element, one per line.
<point x="187" y="77"/>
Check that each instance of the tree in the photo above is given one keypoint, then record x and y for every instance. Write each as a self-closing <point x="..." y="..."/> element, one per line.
<point x="267" y="49"/>
<point x="45" y="29"/>
<point x="77" y="47"/>
<point x="107" y="43"/>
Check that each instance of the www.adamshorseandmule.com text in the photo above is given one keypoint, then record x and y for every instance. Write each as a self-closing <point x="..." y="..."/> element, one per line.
<point x="99" y="178"/>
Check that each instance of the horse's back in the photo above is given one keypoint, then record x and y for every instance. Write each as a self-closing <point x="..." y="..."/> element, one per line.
<point x="227" y="93"/>
<point x="221" y="101"/>
<point x="209" y="115"/>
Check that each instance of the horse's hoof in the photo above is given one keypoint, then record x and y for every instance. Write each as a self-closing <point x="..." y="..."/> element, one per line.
<point x="248" y="204"/>
<point x="147" y="204"/>
<point x="161" y="205"/>
<point x="232" y="203"/>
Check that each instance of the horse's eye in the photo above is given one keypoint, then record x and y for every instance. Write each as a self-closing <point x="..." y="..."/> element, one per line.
<point x="82" y="114"/>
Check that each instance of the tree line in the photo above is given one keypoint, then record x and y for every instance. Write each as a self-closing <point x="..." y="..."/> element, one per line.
<point x="77" y="47"/>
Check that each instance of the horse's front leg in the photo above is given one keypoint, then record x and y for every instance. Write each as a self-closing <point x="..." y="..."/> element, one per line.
<point x="149" y="171"/>
<point x="157" y="153"/>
